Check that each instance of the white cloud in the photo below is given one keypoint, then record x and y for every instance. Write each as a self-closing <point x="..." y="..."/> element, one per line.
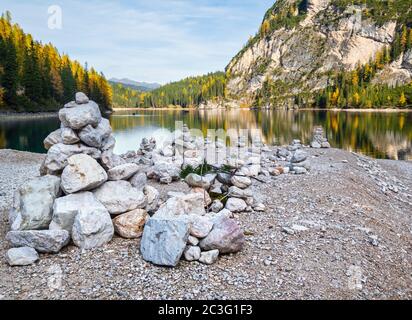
<point x="158" y="40"/>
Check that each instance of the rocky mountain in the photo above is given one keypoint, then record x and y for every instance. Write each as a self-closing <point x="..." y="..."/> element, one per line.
<point x="305" y="46"/>
<point x="140" y="86"/>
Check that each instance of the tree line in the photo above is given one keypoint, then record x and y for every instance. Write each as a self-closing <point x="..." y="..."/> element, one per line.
<point x="36" y="77"/>
<point x="188" y="92"/>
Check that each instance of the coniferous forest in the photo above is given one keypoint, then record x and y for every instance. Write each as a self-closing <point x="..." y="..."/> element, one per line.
<point x="35" y="77"/>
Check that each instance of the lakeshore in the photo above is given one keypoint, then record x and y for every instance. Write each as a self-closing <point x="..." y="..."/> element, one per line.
<point x="342" y="231"/>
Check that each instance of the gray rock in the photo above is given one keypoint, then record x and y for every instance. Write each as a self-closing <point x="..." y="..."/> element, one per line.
<point x="82" y="173"/>
<point x="165" y="172"/>
<point x="108" y="144"/>
<point x="224" y="178"/>
<point x="217" y="205"/>
<point x="70" y="104"/>
<point x="22" y="256"/>
<point x="164" y="241"/>
<point x="80" y="116"/>
<point x="92" y="228"/>
<point x="193" y="241"/>
<point x="96" y="136"/>
<point x="33" y="203"/>
<point x="152" y="197"/>
<point x="315" y="145"/>
<point x="209" y="257"/>
<point x="236" y="205"/>
<point x="168" y="151"/>
<point x="130" y="225"/>
<point x="200" y="226"/>
<point x="139" y="181"/>
<point x="56" y="159"/>
<point x="120" y="197"/>
<point x="69" y="136"/>
<point x="197" y="181"/>
<point x="180" y="205"/>
<point x="299" y="156"/>
<point x="110" y="160"/>
<point x="123" y="172"/>
<point x="44" y="241"/>
<point x="192" y="253"/>
<point x="325" y="145"/>
<point x="300" y="170"/>
<point x="65" y="209"/>
<point x="241" y="182"/>
<point x="81" y="98"/>
<point x="53" y="138"/>
<point x="226" y="236"/>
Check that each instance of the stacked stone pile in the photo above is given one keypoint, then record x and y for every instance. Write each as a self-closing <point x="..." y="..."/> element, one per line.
<point x="319" y="140"/>
<point x="82" y="187"/>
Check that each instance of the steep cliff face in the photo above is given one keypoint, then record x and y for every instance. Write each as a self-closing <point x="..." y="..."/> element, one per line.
<point x="301" y="42"/>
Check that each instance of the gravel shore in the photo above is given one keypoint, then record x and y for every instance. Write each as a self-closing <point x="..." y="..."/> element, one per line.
<point x="343" y="231"/>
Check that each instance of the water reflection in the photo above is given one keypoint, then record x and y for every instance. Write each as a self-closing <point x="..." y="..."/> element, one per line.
<point x="380" y="135"/>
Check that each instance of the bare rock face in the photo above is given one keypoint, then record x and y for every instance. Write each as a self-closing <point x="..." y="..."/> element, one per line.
<point x="119" y="197"/>
<point x="130" y="224"/>
<point x="96" y="136"/>
<point x="226" y="236"/>
<point x="82" y="173"/>
<point x="81" y="116"/>
<point x="298" y="58"/>
<point x="33" y="203"/>
<point x="44" y="241"/>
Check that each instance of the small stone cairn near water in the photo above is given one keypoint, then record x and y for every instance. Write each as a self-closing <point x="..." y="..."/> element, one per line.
<point x="319" y="140"/>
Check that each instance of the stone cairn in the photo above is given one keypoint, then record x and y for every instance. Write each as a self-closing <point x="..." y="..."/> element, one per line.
<point x="319" y="140"/>
<point x="86" y="193"/>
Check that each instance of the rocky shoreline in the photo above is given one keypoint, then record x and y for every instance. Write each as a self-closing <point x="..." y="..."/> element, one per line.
<point x="235" y="222"/>
<point x="342" y="231"/>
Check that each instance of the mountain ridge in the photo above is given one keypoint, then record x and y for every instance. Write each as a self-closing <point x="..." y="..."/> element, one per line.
<point x="305" y="47"/>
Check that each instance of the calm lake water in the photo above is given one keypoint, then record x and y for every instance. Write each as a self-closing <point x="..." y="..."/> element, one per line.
<point x="380" y="135"/>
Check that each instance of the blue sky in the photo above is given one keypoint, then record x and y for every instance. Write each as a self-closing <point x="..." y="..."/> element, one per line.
<point x="145" y="40"/>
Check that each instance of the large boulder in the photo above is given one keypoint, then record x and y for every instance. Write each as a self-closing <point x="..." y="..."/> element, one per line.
<point x="81" y="116"/>
<point x="123" y="172"/>
<point x="92" y="228"/>
<point x="226" y="236"/>
<point x="164" y="241"/>
<point x="82" y="173"/>
<point x="44" y="241"/>
<point x="56" y="159"/>
<point x="53" y="138"/>
<point x="21" y="256"/>
<point x="96" y="136"/>
<point x="65" y="209"/>
<point x="120" y="197"/>
<point x="33" y="203"/>
<point x="130" y="224"/>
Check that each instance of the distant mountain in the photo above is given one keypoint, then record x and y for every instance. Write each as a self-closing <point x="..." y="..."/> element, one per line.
<point x="140" y="86"/>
